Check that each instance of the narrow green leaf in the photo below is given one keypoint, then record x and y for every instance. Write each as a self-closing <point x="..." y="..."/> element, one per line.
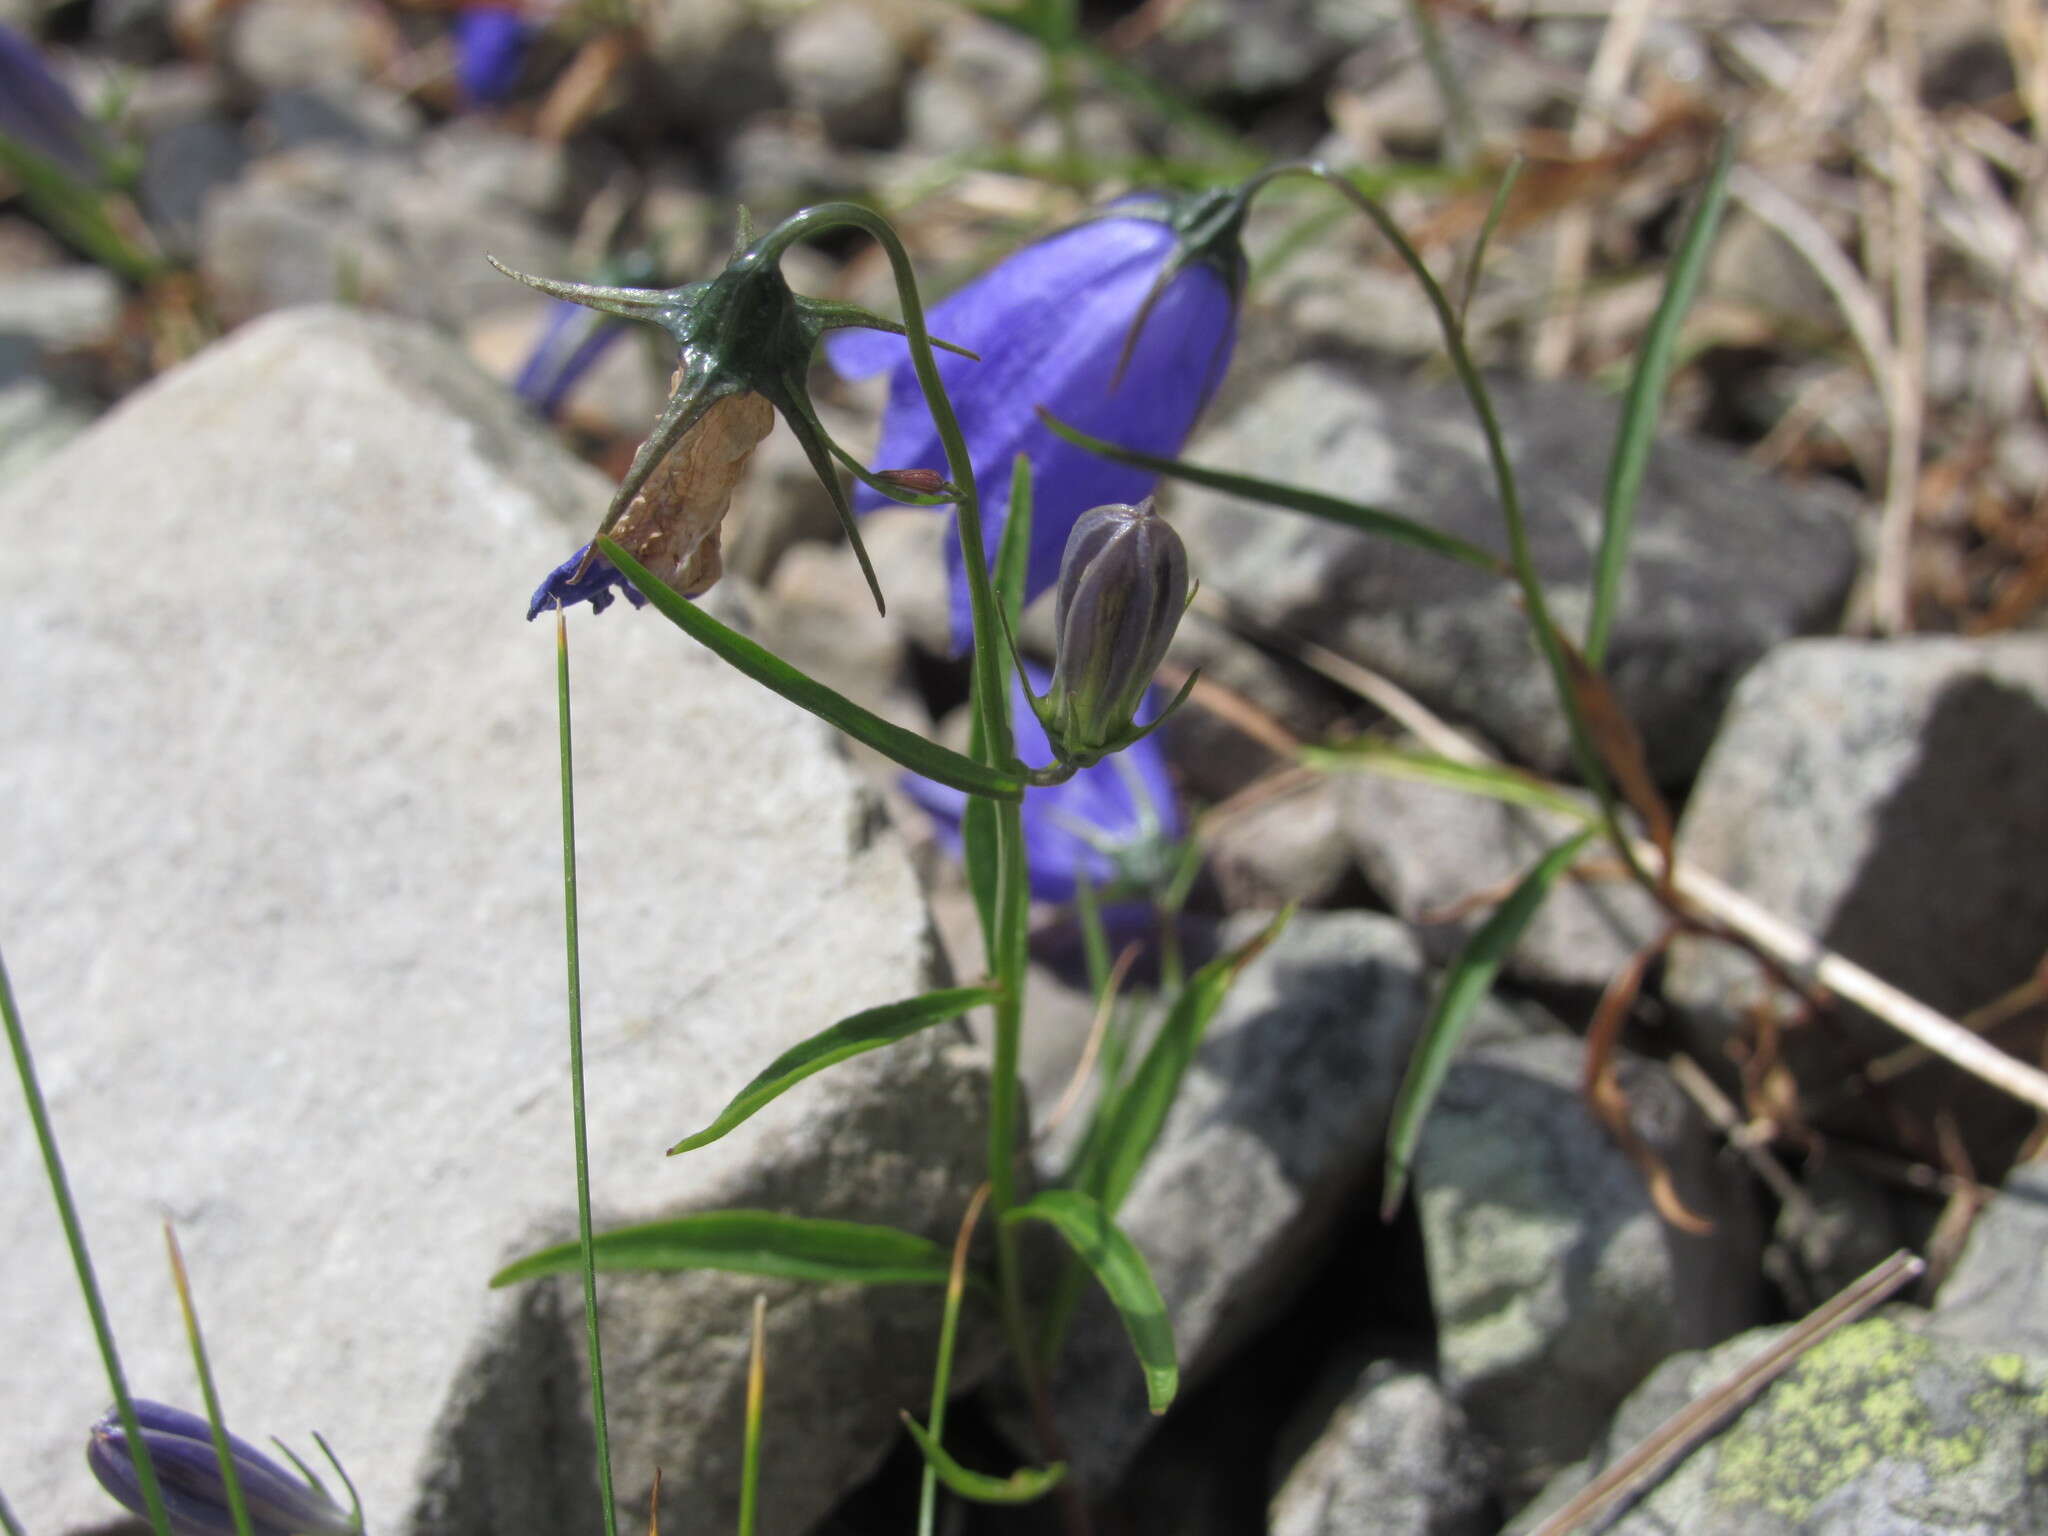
<point x="1122" y="1272"/>
<point x="1133" y="1122"/>
<point x="771" y="671"/>
<point x="1645" y="396"/>
<point x="1021" y="1487"/>
<point x="1367" y="754"/>
<point x="862" y="1032"/>
<point x="978" y="824"/>
<point x="1465" y="985"/>
<point x="751" y="1243"/>
<point x="1013" y="550"/>
<point x="1495" y="209"/>
<point x="1295" y="498"/>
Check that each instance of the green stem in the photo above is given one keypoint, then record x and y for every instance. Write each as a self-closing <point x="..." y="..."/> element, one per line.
<point x="597" y="1414"/>
<point x="1520" y="556"/>
<point x="74" y="1236"/>
<point x="8" y="1523"/>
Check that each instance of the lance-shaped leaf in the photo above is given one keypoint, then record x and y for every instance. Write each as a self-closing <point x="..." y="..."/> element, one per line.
<point x="1295" y="498"/>
<point x="1124" y="1276"/>
<point x="1465" y="984"/>
<point x="800" y="688"/>
<point x="862" y="1032"/>
<point x="750" y="1243"/>
<point x="1022" y="1486"/>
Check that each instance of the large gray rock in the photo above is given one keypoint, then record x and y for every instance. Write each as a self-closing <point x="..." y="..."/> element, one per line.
<point x="1557" y="1286"/>
<point x="1887" y="798"/>
<point x="1280" y="1118"/>
<point x="280" y="823"/>
<point x="1879" y="1428"/>
<point x="1429" y="850"/>
<point x="1395" y="1459"/>
<point x="1726" y="561"/>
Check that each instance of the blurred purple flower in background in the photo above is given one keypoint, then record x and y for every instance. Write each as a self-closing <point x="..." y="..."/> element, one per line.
<point x="38" y="112"/>
<point x="1114" y="822"/>
<point x="490" y="51"/>
<point x="280" y="1502"/>
<point x="1051" y="323"/>
<point x="569" y="347"/>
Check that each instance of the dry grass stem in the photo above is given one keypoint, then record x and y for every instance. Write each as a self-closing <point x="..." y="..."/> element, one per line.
<point x="1697" y="1421"/>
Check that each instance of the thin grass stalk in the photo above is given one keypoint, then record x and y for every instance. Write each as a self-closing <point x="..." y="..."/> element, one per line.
<point x="81" y="1258"/>
<point x="942" y="1371"/>
<point x="216" y="1422"/>
<point x="8" y="1524"/>
<point x="757" y="1391"/>
<point x="1520" y="556"/>
<point x="575" y="985"/>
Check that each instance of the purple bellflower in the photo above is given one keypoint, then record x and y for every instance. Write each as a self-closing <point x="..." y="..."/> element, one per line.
<point x="39" y="114"/>
<point x="490" y="51"/>
<point x="280" y="1502"/>
<point x="1054" y="326"/>
<point x="1116" y="822"/>
<point x="568" y="348"/>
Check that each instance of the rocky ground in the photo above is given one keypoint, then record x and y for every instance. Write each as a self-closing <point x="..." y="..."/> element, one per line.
<point x="281" y="903"/>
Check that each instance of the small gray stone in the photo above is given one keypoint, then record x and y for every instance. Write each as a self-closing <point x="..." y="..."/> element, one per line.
<point x="845" y="61"/>
<point x="278" y="44"/>
<point x="1880" y="1428"/>
<point x="977" y="87"/>
<point x="1255" y="48"/>
<point x="1286" y="848"/>
<point x="1428" y="849"/>
<point x="1279" y="1119"/>
<point x="1557" y="1286"/>
<point x="1726" y="561"/>
<point x="61" y="308"/>
<point x="1997" y="1295"/>
<point x="281" y="827"/>
<point x="1884" y="797"/>
<point x="1396" y="1459"/>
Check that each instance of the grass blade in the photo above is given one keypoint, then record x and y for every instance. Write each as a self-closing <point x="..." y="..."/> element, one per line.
<point x="1477" y="263"/>
<point x="942" y="1368"/>
<point x="1295" y="498"/>
<point x="1465" y="985"/>
<point x="978" y="822"/>
<point x="1494" y="781"/>
<point x="772" y="672"/>
<point x="757" y="1390"/>
<point x="8" y="1523"/>
<point x="750" y="1243"/>
<point x="573" y="950"/>
<point x="1021" y="1487"/>
<point x="850" y="1037"/>
<point x="1122" y="1273"/>
<point x="1133" y="1122"/>
<point x="1645" y="396"/>
<point x="231" y="1479"/>
<point x="81" y="1258"/>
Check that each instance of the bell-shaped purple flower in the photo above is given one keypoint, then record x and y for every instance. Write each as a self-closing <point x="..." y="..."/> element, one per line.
<point x="1116" y="822"/>
<point x="280" y="1502"/>
<point x="1052" y="324"/>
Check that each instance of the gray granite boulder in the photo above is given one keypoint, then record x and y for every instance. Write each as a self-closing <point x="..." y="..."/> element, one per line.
<point x="1997" y="1295"/>
<point x="1887" y="798"/>
<point x="279" y="816"/>
<point x="1557" y="1286"/>
<point x="1279" y="1120"/>
<point x="1396" y="1459"/>
<point x="1727" y="561"/>
<point x="1878" y="1429"/>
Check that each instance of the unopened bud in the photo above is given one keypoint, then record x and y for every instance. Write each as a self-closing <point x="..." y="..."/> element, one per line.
<point x="1123" y="585"/>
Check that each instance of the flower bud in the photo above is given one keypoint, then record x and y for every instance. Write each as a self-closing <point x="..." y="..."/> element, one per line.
<point x="280" y="1503"/>
<point x="1122" y="587"/>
